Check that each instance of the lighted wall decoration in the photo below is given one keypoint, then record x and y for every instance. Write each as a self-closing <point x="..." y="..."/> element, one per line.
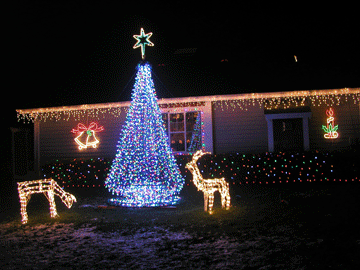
<point x="86" y="135"/>
<point x="209" y="186"/>
<point x="47" y="186"/>
<point x="330" y="128"/>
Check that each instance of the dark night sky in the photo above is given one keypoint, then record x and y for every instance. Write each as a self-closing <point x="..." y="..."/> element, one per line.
<point x="76" y="52"/>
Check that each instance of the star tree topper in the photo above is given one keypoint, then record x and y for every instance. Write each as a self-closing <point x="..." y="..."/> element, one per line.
<point x="143" y="40"/>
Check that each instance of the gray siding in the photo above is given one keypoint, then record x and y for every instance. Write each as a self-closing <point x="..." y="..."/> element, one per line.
<point x="346" y="116"/>
<point x="237" y="130"/>
<point x="234" y="130"/>
<point x="57" y="141"/>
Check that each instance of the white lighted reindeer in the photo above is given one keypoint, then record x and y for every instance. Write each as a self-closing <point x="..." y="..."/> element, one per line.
<point x="47" y="186"/>
<point x="209" y="186"/>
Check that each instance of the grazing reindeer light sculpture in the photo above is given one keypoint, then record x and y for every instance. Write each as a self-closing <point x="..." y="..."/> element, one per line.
<point x="47" y="186"/>
<point x="209" y="186"/>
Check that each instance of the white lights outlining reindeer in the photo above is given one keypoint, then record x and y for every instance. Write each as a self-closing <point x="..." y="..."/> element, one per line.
<point x="209" y="186"/>
<point x="47" y="186"/>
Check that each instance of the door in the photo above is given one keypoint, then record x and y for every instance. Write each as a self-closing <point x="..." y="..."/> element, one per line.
<point x="288" y="134"/>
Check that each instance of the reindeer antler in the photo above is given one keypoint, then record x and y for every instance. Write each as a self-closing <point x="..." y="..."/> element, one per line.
<point x="198" y="154"/>
<point x="208" y="186"/>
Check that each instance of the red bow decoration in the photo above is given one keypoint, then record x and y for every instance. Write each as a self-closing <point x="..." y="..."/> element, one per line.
<point x="93" y="126"/>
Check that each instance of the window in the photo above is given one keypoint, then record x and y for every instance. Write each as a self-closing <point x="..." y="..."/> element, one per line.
<point x="184" y="131"/>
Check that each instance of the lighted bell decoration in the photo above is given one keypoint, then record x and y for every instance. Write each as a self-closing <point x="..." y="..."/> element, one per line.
<point x="49" y="188"/>
<point x="209" y="186"/>
<point x="86" y="135"/>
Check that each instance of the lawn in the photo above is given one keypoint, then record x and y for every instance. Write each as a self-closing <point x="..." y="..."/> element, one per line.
<point x="287" y="226"/>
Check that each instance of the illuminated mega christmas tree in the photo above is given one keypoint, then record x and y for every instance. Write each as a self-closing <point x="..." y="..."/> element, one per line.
<point x="144" y="171"/>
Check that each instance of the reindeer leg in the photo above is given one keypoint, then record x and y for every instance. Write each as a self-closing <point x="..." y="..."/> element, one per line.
<point x="206" y="198"/>
<point x="223" y="198"/>
<point x="227" y="197"/>
<point x="211" y="202"/>
<point x="23" y="204"/>
<point x="50" y="196"/>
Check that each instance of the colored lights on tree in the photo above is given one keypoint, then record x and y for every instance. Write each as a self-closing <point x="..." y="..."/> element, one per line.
<point x="142" y="41"/>
<point x="49" y="188"/>
<point x="86" y="135"/>
<point x="330" y="128"/>
<point x="195" y="143"/>
<point x="144" y="171"/>
<point x="209" y="186"/>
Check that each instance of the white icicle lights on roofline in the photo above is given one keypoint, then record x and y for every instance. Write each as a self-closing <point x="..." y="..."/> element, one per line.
<point x="268" y="101"/>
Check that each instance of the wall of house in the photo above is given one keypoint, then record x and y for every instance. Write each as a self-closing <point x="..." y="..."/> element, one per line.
<point x="226" y="129"/>
<point x="55" y="140"/>
<point x="245" y="131"/>
<point x="239" y="130"/>
<point x="346" y="116"/>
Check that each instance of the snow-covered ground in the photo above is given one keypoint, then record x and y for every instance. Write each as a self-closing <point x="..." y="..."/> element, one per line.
<point x="60" y="245"/>
<point x="313" y="229"/>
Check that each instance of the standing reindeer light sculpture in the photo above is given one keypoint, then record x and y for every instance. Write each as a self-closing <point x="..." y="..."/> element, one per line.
<point x="209" y="186"/>
<point x="47" y="186"/>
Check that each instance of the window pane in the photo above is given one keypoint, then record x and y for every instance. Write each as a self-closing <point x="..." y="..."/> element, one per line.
<point x="177" y="141"/>
<point x="165" y="120"/>
<point x="191" y="118"/>
<point x="193" y="134"/>
<point x="176" y="122"/>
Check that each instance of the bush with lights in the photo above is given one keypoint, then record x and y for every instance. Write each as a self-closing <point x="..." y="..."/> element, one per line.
<point x="276" y="168"/>
<point x="237" y="168"/>
<point x="77" y="172"/>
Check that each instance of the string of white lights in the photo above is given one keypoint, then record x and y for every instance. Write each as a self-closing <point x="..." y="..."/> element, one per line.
<point x="268" y="101"/>
<point x="209" y="186"/>
<point x="49" y="188"/>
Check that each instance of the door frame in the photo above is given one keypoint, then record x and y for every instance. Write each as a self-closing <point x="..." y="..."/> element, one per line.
<point x="305" y="125"/>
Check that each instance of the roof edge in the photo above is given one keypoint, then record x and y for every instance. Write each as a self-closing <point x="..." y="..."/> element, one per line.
<point x="266" y="95"/>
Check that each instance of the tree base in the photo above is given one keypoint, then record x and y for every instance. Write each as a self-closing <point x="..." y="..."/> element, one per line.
<point x="118" y="201"/>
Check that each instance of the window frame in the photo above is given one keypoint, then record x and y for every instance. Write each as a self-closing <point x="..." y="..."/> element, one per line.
<point x="305" y="126"/>
<point x="184" y="131"/>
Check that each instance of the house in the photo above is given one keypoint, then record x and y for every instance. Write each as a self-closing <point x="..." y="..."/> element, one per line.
<point x="322" y="120"/>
